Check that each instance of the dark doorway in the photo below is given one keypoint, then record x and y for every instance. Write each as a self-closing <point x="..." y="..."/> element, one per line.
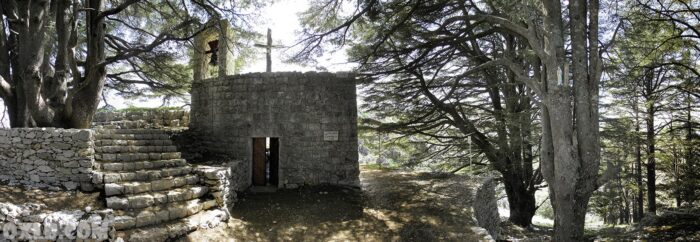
<point x="274" y="161"/>
<point x="265" y="161"/>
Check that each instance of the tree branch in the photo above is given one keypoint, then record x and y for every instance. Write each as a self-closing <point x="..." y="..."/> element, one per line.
<point x="117" y="9"/>
<point x="5" y="88"/>
<point x="527" y="33"/>
<point x="162" y="38"/>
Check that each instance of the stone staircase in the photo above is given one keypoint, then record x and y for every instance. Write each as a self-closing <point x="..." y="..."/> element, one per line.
<point x="156" y="195"/>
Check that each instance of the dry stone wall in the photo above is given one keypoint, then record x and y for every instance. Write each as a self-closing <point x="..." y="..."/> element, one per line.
<point x="145" y="119"/>
<point x="485" y="207"/>
<point x="219" y="181"/>
<point x="314" y="115"/>
<point x="47" y="158"/>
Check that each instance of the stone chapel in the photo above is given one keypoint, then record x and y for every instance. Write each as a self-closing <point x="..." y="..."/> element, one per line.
<point x="288" y="129"/>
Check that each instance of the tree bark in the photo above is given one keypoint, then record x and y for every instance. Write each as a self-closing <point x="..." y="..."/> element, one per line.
<point x="638" y="166"/>
<point x="27" y="61"/>
<point x="87" y="96"/>
<point x="34" y="94"/>
<point x="651" y="150"/>
<point x="571" y="154"/>
<point x="521" y="202"/>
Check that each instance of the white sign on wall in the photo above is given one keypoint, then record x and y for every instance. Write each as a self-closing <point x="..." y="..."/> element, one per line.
<point x="330" y="135"/>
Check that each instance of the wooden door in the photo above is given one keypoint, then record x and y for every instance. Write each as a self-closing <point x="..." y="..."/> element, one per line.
<point x="259" y="162"/>
<point x="274" y="160"/>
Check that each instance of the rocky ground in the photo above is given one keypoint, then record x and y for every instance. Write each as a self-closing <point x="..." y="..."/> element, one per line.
<point x="50" y="200"/>
<point x="669" y="225"/>
<point x="402" y="206"/>
<point x="29" y="209"/>
<point x="392" y="206"/>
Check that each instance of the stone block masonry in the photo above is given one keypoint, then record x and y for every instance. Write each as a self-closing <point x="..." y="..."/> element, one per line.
<point x="47" y="158"/>
<point x="314" y="116"/>
<point x="218" y="179"/>
<point x="144" y="119"/>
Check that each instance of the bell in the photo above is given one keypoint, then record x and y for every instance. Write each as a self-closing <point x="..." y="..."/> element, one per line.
<point x="214" y="50"/>
<point x="214" y="59"/>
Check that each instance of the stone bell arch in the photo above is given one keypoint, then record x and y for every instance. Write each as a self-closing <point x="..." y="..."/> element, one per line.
<point x="213" y="51"/>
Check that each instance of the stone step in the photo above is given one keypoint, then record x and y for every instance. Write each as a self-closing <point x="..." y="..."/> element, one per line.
<point x="156" y="198"/>
<point x="134" y="149"/>
<point x="124" y="220"/>
<point x="144" y="174"/>
<point x="127" y="188"/>
<point x="174" y="229"/>
<point x="132" y="136"/>
<point x="122" y="124"/>
<point x="118" y="142"/>
<point x="131" y="157"/>
<point x="129" y="131"/>
<point x="139" y="165"/>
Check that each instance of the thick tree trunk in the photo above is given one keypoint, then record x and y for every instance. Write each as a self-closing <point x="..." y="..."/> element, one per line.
<point x="635" y="213"/>
<point x="37" y="97"/>
<point x="521" y="202"/>
<point x="638" y="168"/>
<point x="84" y="104"/>
<point x="570" y="217"/>
<point x="570" y="143"/>
<point x="691" y="158"/>
<point x="28" y="77"/>
<point x="651" y="160"/>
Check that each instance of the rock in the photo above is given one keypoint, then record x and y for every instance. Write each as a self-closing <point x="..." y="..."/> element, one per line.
<point x="61" y="146"/>
<point x="71" y="164"/>
<point x="70" y="185"/>
<point x="113" y="189"/>
<point x="83" y="135"/>
<point x="486" y="207"/>
<point x="45" y="169"/>
<point x="124" y="222"/>
<point x="87" y="186"/>
<point x="141" y="201"/>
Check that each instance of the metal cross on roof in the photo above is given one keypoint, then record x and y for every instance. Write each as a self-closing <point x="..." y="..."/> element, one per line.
<point x="268" y="48"/>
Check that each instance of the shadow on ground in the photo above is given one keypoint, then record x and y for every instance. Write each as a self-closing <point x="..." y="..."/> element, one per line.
<point x="392" y="206"/>
<point x="50" y="200"/>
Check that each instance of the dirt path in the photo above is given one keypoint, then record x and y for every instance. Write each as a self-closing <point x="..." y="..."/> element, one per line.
<point x="392" y="206"/>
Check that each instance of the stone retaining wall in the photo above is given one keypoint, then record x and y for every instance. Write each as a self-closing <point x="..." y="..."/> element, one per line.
<point x="145" y="119"/>
<point x="47" y="158"/>
<point x="218" y="179"/>
<point x="239" y="175"/>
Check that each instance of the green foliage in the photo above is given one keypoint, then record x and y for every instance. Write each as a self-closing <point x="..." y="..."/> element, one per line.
<point x="396" y="43"/>
<point x="164" y="71"/>
<point x="649" y="72"/>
